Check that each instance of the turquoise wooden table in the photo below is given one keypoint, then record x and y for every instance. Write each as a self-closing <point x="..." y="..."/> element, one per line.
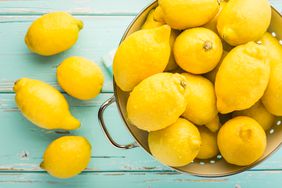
<point x="22" y="144"/>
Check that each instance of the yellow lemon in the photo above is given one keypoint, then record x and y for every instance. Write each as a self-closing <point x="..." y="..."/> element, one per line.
<point x="212" y="24"/>
<point x="201" y="108"/>
<point x="157" y="101"/>
<point x="212" y="74"/>
<point x="172" y="65"/>
<point x="197" y="50"/>
<point x="183" y="14"/>
<point x="208" y="147"/>
<point x="159" y="15"/>
<point x="214" y="124"/>
<point x="272" y="98"/>
<point x="53" y="33"/>
<point x="260" y="114"/>
<point x="176" y="145"/>
<point x="241" y="141"/>
<point x="151" y="22"/>
<point x="142" y="54"/>
<point x="43" y="105"/>
<point x="242" y="21"/>
<point x="242" y="78"/>
<point x="80" y="77"/>
<point x="67" y="156"/>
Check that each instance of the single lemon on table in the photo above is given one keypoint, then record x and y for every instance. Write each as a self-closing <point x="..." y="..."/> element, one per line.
<point x="214" y="124"/>
<point x="242" y="77"/>
<point x="43" y="105"/>
<point x="208" y="147"/>
<point x="272" y="98"/>
<point x="142" y="54"/>
<point x="183" y="14"/>
<point x="241" y="141"/>
<point x="197" y="50"/>
<point x="176" y="145"/>
<point x="242" y="21"/>
<point x="260" y="114"/>
<point x="53" y="33"/>
<point x="80" y="77"/>
<point x="67" y="156"/>
<point x="201" y="108"/>
<point x="212" y="24"/>
<point x="158" y="101"/>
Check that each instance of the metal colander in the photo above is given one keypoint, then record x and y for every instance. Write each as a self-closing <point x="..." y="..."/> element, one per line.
<point x="216" y="167"/>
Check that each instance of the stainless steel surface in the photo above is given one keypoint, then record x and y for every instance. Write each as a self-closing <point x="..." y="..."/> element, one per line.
<point x="104" y="128"/>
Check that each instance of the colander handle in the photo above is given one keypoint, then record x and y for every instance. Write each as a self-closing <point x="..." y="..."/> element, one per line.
<point x="103" y="107"/>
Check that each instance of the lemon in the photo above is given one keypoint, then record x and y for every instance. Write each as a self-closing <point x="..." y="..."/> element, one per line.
<point x="150" y="22"/>
<point x="43" y="105"/>
<point x="208" y="147"/>
<point x="176" y="145"/>
<point x="183" y="14"/>
<point x="241" y="141"/>
<point x="258" y="113"/>
<point x="159" y="15"/>
<point x="157" y="101"/>
<point x="197" y="50"/>
<point x="214" y="124"/>
<point x="212" y="74"/>
<point x="172" y="65"/>
<point x="272" y="98"/>
<point x="53" y="33"/>
<point x="80" y="77"/>
<point x="242" y="21"/>
<point x="212" y="24"/>
<point x="242" y="78"/>
<point x="67" y="156"/>
<point x="201" y="108"/>
<point x="142" y="54"/>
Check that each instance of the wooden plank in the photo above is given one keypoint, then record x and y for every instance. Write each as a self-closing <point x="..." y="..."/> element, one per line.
<point x="22" y="144"/>
<point x="100" y="35"/>
<point x="79" y="7"/>
<point x="257" y="179"/>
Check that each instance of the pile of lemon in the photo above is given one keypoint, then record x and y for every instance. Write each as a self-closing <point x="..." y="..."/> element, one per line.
<point x="45" y="106"/>
<point x="204" y="78"/>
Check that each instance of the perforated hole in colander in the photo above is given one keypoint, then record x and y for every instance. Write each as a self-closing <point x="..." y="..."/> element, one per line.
<point x="202" y="163"/>
<point x="212" y="161"/>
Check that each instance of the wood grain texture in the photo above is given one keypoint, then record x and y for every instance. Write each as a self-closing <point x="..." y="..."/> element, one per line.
<point x="22" y="144"/>
<point x="77" y="7"/>
<point x="27" y="142"/>
<point x="257" y="179"/>
<point x="100" y="35"/>
<point x="80" y="7"/>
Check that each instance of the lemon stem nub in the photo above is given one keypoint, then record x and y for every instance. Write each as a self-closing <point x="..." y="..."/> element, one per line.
<point x="183" y="83"/>
<point x="79" y="24"/>
<point x="207" y="45"/>
<point x="42" y="165"/>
